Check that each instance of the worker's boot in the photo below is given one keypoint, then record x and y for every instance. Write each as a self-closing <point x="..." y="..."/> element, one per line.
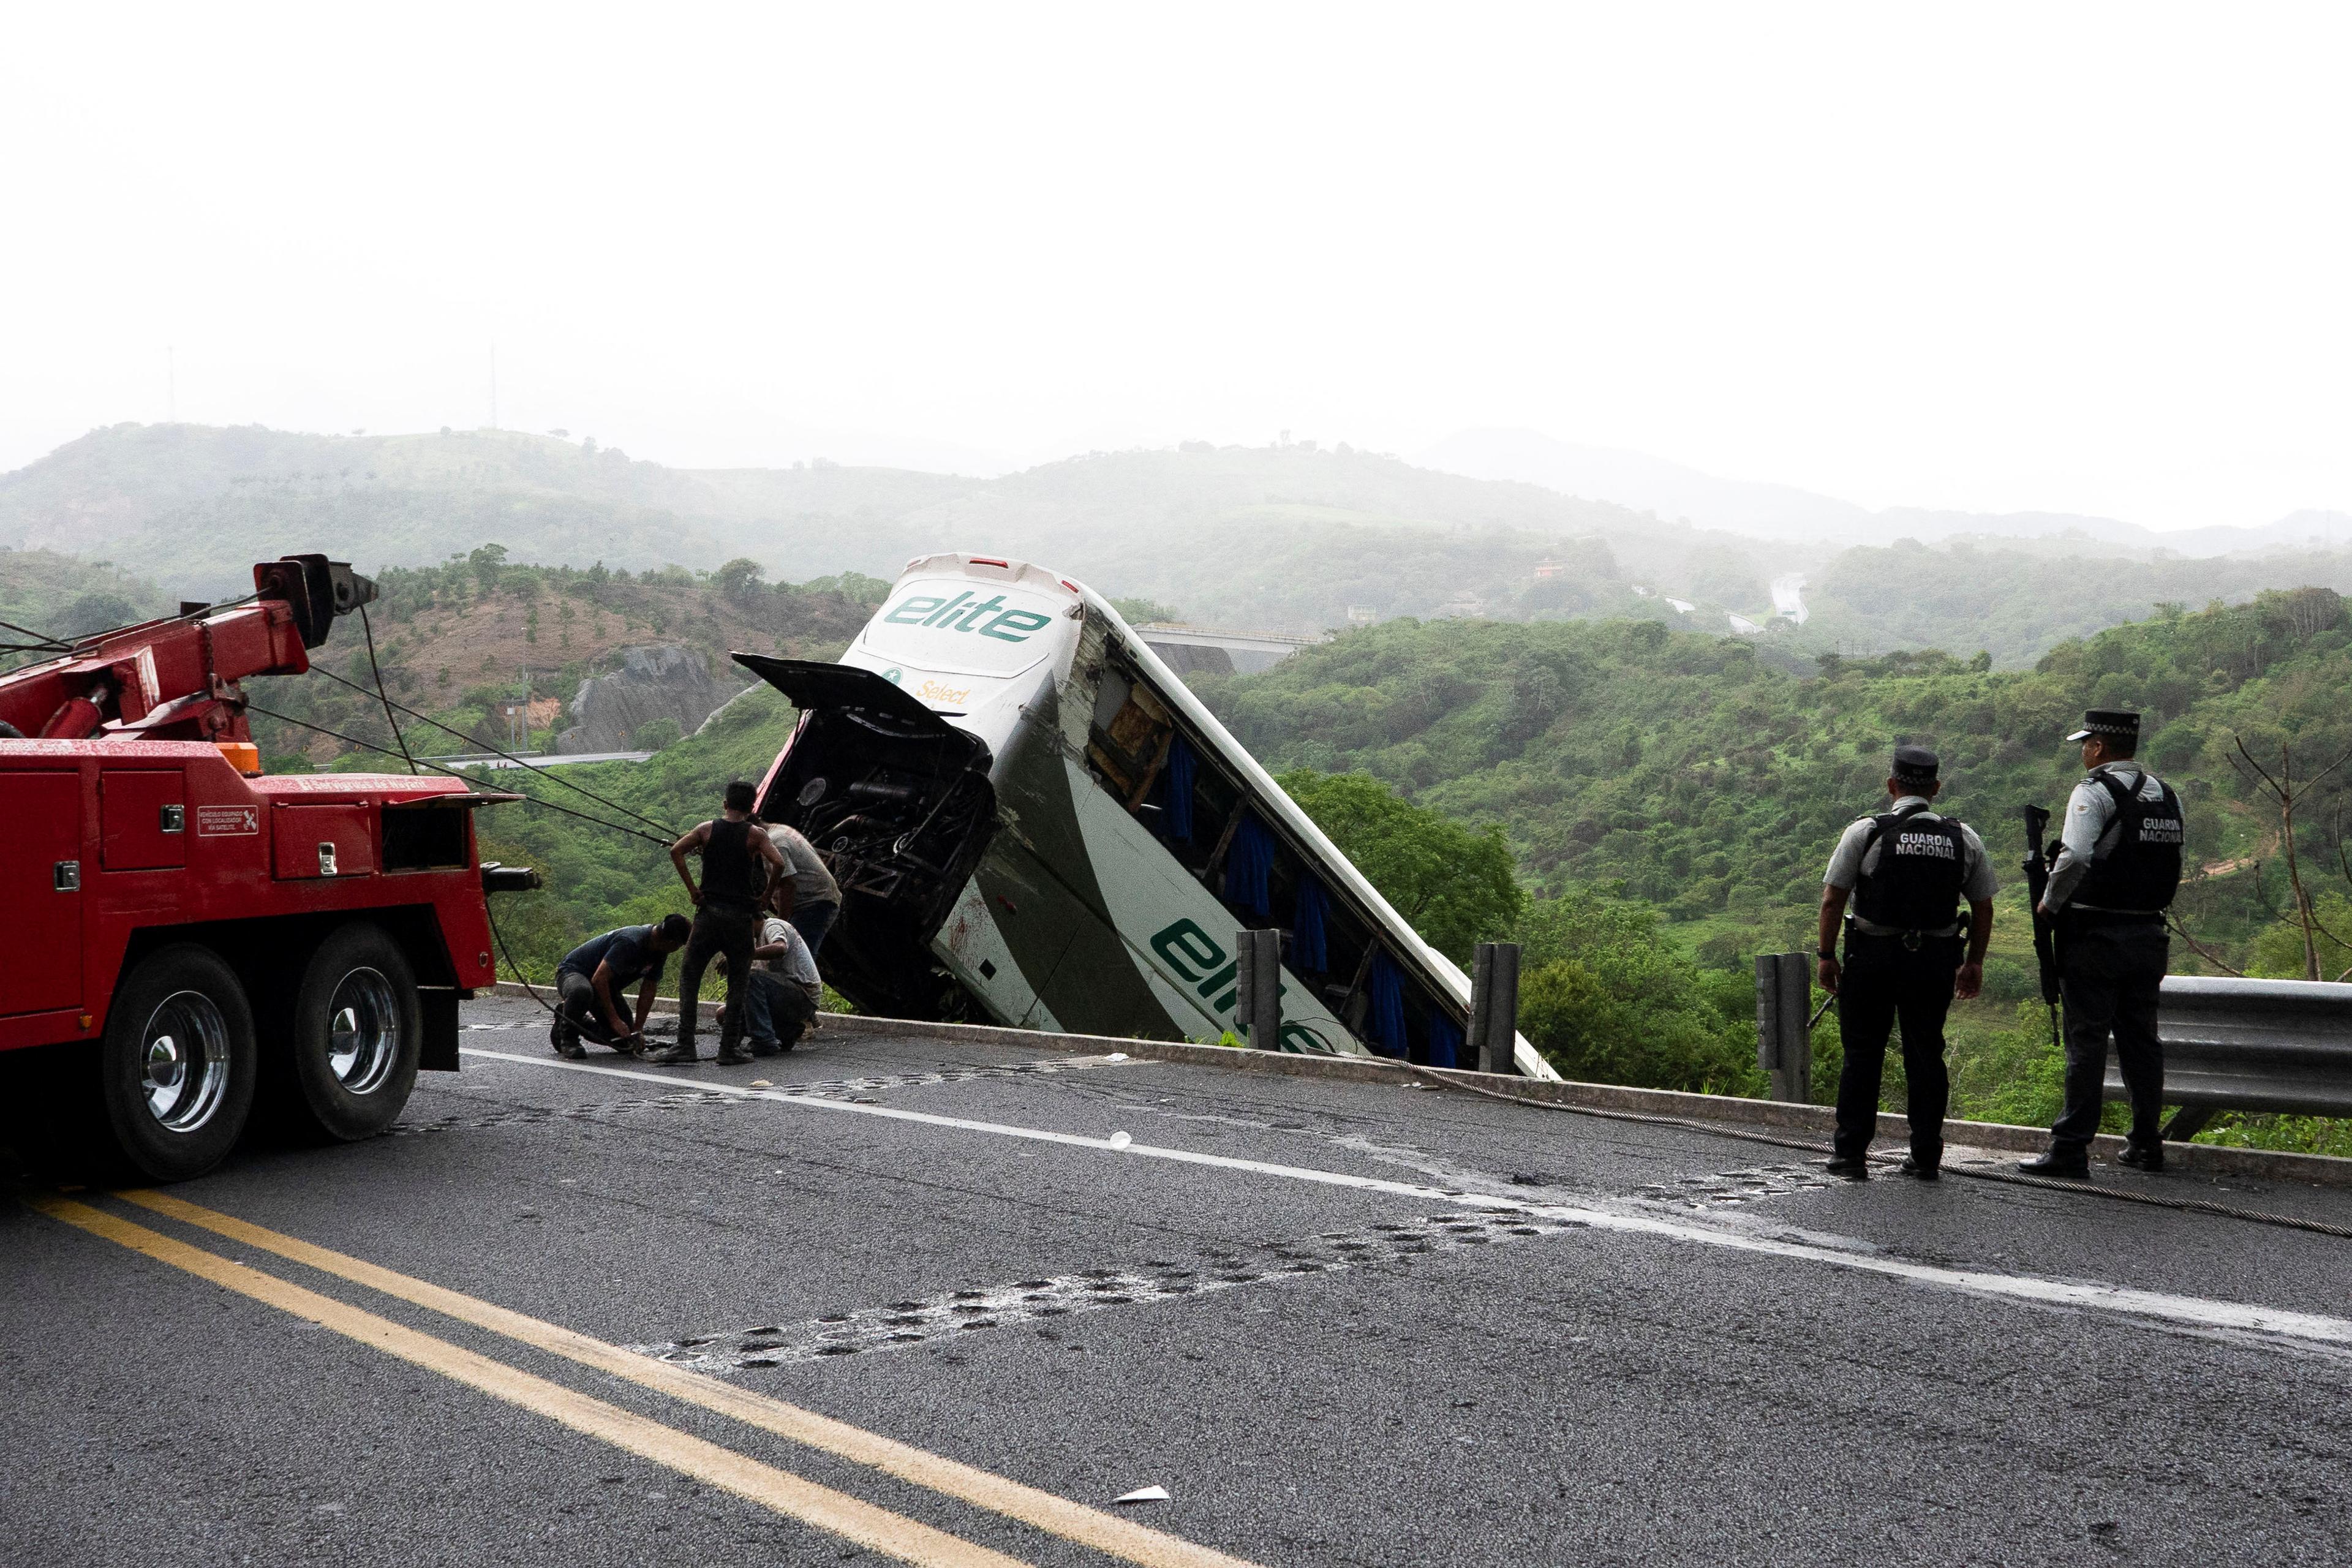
<point x="682" y="1054"/>
<point x="2146" y="1157"/>
<point x="566" y="1041"/>
<point x="2073" y="1167"/>
<point x="731" y="1054"/>
<point x="1852" y="1167"/>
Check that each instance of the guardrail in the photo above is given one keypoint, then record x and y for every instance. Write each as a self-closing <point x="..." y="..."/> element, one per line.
<point x="2250" y="1044"/>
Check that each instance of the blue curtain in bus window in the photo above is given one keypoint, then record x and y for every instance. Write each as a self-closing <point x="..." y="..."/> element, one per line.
<point x="1175" y="792"/>
<point x="1385" y="1019"/>
<point x="1248" y="864"/>
<point x="1444" y="1039"/>
<point x="1310" y="953"/>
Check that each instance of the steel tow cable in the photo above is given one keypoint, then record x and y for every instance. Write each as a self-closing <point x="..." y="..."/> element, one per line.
<point x="547" y="773"/>
<point x="453" y="772"/>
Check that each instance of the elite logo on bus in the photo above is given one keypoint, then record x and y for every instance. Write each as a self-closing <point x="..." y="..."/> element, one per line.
<point x="955" y="616"/>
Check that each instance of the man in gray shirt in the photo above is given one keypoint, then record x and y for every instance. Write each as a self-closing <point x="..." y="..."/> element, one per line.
<point x="811" y="899"/>
<point x="1905" y="870"/>
<point x="785" y="992"/>
<point x="2118" y="868"/>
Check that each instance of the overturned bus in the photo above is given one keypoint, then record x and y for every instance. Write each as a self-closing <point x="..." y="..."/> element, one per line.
<point x="1034" y="823"/>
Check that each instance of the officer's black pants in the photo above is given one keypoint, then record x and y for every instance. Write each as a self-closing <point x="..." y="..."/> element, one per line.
<point x="720" y="930"/>
<point x="2108" y="976"/>
<point x="1884" y="981"/>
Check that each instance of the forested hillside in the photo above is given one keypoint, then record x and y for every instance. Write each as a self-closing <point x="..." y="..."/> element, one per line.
<point x="61" y="596"/>
<point x="455" y="640"/>
<point x="1710" y="782"/>
<point x="1291" y="537"/>
<point x="1252" y="537"/>
<point x="2017" y="602"/>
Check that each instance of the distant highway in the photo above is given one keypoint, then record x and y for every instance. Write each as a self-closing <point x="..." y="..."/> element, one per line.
<point x="1789" y="596"/>
<point x="937" y="1301"/>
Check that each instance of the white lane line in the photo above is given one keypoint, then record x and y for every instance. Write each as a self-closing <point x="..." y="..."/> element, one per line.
<point x="2190" y="1311"/>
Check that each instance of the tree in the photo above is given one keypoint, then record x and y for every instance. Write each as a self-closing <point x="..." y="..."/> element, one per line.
<point x="738" y="579"/>
<point x="1457" y="886"/>
<point x="487" y="562"/>
<point x="1607" y="999"/>
<point x="96" y="611"/>
<point x="2288" y="792"/>
<point x="1142" y="612"/>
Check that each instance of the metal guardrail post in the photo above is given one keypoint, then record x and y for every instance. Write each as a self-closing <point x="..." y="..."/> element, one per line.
<point x="1494" y="1031"/>
<point x="1784" y="1044"/>
<point x="1258" y="1004"/>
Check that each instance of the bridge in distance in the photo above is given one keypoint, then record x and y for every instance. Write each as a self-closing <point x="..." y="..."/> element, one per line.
<point x="941" y="1298"/>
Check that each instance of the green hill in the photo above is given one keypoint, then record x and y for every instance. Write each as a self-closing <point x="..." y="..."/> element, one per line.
<point x="1710" y="781"/>
<point x="1291" y="538"/>
<point x="63" y="596"/>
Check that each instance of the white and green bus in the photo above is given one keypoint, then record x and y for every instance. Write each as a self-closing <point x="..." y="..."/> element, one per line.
<point x="1034" y="823"/>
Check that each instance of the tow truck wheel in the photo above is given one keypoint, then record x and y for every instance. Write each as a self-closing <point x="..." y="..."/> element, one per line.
<point x="177" y="1068"/>
<point x="350" y="1056"/>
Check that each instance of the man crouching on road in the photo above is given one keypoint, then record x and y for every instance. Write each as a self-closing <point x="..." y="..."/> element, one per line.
<point x="1907" y="870"/>
<point x="783" y="993"/>
<point x="592" y="973"/>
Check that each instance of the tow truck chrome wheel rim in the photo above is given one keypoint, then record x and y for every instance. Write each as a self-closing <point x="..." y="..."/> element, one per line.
<point x="184" y="1061"/>
<point x="362" y="1031"/>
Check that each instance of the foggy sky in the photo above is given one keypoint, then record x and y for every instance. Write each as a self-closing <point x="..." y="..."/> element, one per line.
<point x="2083" y="258"/>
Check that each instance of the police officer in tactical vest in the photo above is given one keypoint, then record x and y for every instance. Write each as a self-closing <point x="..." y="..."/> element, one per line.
<point x="1907" y="953"/>
<point x="2117" y="867"/>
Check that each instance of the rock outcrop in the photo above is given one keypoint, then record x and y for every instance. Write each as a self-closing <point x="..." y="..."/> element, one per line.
<point x="609" y="712"/>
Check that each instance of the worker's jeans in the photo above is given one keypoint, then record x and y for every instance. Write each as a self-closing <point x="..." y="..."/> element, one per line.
<point x="813" y="921"/>
<point x="576" y="1013"/>
<point x="775" y="1011"/>
<point x="2109" y="975"/>
<point x="1883" y="980"/>
<point x="720" y="930"/>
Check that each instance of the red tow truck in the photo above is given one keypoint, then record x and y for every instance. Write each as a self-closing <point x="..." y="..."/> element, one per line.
<point x="183" y="939"/>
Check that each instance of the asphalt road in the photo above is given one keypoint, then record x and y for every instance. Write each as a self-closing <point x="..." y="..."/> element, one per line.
<point x="935" y="1299"/>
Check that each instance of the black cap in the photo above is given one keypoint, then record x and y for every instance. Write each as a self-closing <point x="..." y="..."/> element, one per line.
<point x="2108" y="723"/>
<point x="1916" y="765"/>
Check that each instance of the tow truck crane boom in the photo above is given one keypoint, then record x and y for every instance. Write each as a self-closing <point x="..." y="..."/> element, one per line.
<point x="177" y="679"/>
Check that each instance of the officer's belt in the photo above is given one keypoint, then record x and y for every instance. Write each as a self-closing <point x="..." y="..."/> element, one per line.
<point x="2083" y="914"/>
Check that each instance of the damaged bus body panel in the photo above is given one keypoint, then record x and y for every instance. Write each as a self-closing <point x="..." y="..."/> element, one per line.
<point x="1035" y="823"/>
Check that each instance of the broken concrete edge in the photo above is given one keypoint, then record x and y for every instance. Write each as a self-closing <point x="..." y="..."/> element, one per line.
<point x="2197" y="1159"/>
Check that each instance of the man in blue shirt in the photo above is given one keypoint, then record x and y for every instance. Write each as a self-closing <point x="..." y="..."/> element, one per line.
<point x="593" y="972"/>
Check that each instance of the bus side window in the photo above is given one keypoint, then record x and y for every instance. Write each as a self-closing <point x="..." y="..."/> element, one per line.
<point x="1131" y="740"/>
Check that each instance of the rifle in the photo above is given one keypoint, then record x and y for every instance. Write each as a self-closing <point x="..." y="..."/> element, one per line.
<point x="2037" y="881"/>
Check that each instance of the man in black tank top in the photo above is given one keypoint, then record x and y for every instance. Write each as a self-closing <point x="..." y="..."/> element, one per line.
<point x="737" y="863"/>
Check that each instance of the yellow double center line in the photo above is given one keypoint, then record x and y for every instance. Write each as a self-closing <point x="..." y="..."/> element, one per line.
<point x="846" y="1516"/>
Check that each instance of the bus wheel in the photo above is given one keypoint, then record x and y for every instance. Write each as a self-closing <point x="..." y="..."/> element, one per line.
<point x="176" y="1067"/>
<point x="357" y="1031"/>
